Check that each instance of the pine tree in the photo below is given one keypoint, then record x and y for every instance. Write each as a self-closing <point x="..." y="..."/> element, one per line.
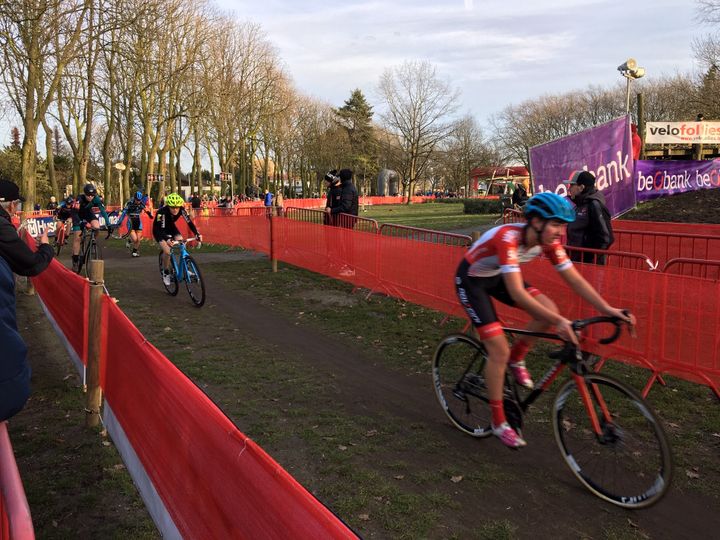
<point x="356" y="118"/>
<point x="15" y="139"/>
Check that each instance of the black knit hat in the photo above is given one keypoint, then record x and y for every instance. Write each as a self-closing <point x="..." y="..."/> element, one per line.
<point x="345" y="175"/>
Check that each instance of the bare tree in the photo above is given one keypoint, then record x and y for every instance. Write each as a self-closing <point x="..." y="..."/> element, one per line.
<point x="461" y="152"/>
<point x="419" y="110"/>
<point x="38" y="38"/>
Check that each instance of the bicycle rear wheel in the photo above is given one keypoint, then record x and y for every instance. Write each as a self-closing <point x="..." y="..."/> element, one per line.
<point x="458" y="377"/>
<point x="194" y="282"/>
<point x="173" y="288"/>
<point x="629" y="463"/>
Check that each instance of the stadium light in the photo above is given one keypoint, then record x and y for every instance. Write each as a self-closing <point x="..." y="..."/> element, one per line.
<point x="630" y="70"/>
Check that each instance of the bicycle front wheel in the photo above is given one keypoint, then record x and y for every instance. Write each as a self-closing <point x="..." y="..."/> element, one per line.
<point x="194" y="282"/>
<point x="628" y="463"/>
<point x="459" y="380"/>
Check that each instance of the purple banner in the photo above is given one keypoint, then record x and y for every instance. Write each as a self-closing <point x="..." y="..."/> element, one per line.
<point x="660" y="178"/>
<point x="605" y="151"/>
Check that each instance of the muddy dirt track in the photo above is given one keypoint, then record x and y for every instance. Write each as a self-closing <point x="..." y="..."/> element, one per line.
<point x="538" y="495"/>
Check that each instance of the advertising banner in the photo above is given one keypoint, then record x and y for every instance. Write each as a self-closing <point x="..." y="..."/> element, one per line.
<point x="682" y="132"/>
<point x="605" y="151"/>
<point x="660" y="178"/>
<point x="36" y="226"/>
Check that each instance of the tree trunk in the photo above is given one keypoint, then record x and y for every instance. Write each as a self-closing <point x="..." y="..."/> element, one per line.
<point x="29" y="159"/>
<point x="50" y="160"/>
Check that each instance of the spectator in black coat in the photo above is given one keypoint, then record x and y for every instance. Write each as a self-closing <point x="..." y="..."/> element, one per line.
<point x="592" y="227"/>
<point x="17" y="257"/>
<point x="334" y="193"/>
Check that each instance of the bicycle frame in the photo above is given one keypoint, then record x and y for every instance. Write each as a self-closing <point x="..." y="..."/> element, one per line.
<point x="568" y="355"/>
<point x="178" y="252"/>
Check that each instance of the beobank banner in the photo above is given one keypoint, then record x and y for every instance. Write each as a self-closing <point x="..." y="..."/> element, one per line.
<point x="661" y="178"/>
<point x="604" y="150"/>
<point x="682" y="132"/>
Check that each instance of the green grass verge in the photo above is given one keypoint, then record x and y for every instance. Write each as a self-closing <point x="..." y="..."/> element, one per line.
<point x="436" y="216"/>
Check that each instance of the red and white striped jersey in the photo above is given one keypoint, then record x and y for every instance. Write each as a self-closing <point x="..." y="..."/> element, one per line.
<point x="501" y="250"/>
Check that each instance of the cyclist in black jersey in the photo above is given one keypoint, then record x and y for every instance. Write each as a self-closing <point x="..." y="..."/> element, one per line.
<point x="82" y="212"/>
<point x="133" y="210"/>
<point x="164" y="228"/>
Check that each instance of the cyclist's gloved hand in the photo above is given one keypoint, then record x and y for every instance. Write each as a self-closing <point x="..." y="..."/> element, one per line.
<point x="625" y="316"/>
<point x="565" y="331"/>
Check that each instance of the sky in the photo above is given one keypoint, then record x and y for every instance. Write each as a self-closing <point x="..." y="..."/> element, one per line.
<point x="497" y="52"/>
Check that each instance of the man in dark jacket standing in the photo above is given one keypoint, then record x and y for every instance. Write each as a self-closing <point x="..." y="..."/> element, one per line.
<point x="348" y="198"/>
<point x="592" y="227"/>
<point x="334" y="196"/>
<point x="15" y="256"/>
<point x="349" y="207"/>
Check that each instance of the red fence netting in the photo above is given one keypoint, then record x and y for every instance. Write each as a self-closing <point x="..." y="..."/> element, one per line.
<point x="215" y="482"/>
<point x="413" y="269"/>
<point x="67" y="297"/>
<point x="15" y="519"/>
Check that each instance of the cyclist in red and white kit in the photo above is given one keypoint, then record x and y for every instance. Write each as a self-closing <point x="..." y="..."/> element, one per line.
<point x="491" y="268"/>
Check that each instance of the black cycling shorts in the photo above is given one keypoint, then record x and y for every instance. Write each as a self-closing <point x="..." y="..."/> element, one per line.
<point x="475" y="296"/>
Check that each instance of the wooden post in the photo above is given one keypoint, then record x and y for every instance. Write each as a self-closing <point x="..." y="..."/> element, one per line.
<point x="273" y="260"/>
<point x="94" y="392"/>
<point x="476" y="235"/>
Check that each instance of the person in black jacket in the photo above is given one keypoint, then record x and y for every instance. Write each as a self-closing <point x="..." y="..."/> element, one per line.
<point x="334" y="193"/>
<point x="345" y="215"/>
<point x="17" y="257"/>
<point x="592" y="227"/>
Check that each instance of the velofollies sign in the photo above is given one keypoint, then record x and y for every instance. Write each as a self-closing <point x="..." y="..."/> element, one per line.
<point x="682" y="132"/>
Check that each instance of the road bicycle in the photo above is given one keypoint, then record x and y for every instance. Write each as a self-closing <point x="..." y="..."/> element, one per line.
<point x="608" y="435"/>
<point x="183" y="268"/>
<point x="61" y="236"/>
<point x="90" y="249"/>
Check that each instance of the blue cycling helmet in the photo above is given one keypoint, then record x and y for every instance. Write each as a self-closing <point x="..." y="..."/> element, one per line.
<point x="69" y="200"/>
<point x="550" y="206"/>
<point x="139" y="195"/>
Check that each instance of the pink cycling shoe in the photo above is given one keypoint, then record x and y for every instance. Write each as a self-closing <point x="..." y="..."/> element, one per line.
<point x="522" y="375"/>
<point x="508" y="436"/>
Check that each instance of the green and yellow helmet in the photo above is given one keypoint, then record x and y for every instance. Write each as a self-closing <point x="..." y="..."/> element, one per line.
<point x="174" y="200"/>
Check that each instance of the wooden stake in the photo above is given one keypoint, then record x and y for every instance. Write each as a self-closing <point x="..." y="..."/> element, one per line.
<point x="94" y="392"/>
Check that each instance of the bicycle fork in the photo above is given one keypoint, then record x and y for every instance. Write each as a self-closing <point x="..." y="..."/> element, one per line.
<point x="589" y="402"/>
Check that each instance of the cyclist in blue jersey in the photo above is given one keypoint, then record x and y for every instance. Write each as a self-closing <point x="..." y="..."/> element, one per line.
<point x="133" y="210"/>
<point x="83" y="213"/>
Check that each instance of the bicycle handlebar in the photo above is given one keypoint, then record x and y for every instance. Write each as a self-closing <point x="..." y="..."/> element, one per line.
<point x="618" y="322"/>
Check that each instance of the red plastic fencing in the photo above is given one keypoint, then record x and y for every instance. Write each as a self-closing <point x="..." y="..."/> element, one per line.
<point x="662" y="242"/>
<point x="67" y="297"/>
<point x="205" y="478"/>
<point x="15" y="519"/>
<point x="215" y="482"/>
<point x="421" y="272"/>
<point x="425" y="235"/>
<point x="693" y="267"/>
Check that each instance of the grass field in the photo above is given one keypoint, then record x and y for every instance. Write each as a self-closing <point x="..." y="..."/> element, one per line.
<point x="437" y="216"/>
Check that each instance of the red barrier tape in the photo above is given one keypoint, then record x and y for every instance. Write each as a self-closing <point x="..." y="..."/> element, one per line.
<point x="15" y="519"/>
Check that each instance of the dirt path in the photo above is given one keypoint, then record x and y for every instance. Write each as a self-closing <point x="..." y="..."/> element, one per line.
<point x="541" y="498"/>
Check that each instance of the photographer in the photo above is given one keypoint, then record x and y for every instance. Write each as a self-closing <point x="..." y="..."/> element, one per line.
<point x="17" y="257"/>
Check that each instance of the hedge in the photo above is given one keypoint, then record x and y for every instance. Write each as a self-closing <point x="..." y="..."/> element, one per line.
<point x="480" y="206"/>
